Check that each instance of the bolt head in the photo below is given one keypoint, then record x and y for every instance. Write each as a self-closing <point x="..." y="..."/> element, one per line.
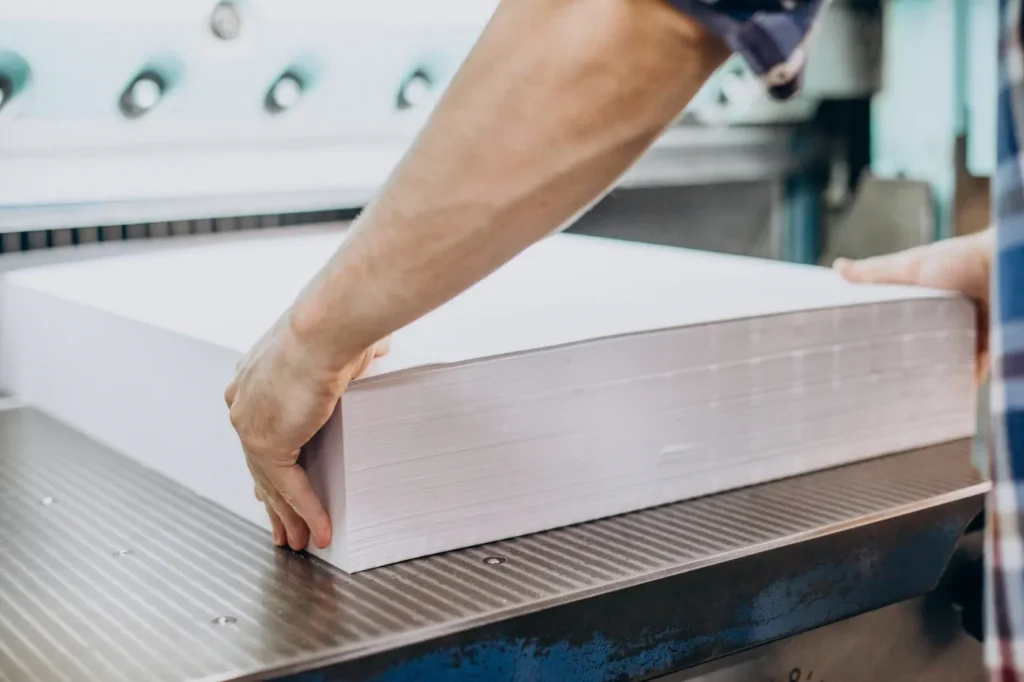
<point x="286" y="93"/>
<point x="6" y="89"/>
<point x="417" y="90"/>
<point x="144" y="94"/>
<point x="226" y="21"/>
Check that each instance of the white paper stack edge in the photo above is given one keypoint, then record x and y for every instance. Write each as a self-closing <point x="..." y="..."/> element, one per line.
<point x="585" y="379"/>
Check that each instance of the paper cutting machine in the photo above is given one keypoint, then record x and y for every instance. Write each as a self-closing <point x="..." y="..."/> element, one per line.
<point x="181" y="118"/>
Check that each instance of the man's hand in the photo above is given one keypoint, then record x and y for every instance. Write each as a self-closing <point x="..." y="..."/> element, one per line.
<point x="962" y="264"/>
<point x="282" y="395"/>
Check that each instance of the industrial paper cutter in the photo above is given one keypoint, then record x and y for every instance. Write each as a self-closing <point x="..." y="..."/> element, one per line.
<point x="180" y="118"/>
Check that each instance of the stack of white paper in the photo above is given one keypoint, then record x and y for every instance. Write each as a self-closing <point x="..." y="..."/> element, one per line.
<point x="587" y="378"/>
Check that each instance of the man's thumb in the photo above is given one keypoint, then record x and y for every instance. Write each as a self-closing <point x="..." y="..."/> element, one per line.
<point x="897" y="268"/>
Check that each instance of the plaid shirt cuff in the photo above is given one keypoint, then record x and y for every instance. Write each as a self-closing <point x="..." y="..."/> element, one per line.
<point x="771" y="35"/>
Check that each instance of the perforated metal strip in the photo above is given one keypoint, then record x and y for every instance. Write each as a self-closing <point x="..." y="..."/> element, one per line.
<point x="109" y="572"/>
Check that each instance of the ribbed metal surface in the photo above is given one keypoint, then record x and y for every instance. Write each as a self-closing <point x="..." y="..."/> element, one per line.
<point x="110" y="572"/>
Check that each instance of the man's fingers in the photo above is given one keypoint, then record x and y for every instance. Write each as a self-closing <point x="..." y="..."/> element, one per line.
<point x="277" y="527"/>
<point x="982" y="368"/>
<point x="295" y="529"/>
<point x="897" y="268"/>
<point x="297" y="492"/>
<point x="364" y="364"/>
<point x="287" y="490"/>
<point x="229" y="393"/>
<point x="358" y="366"/>
<point x="366" y="359"/>
<point x="982" y="350"/>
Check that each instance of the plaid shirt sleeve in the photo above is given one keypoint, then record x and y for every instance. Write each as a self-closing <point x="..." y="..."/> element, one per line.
<point x="771" y="35"/>
<point x="1004" y="641"/>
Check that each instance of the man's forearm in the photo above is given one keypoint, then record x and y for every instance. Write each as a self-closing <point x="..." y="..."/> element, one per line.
<point x="556" y="101"/>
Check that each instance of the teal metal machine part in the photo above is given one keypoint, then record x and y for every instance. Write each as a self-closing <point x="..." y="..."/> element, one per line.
<point x="938" y="84"/>
<point x="931" y="81"/>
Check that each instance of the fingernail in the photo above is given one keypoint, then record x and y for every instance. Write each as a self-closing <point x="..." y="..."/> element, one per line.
<point x="277" y="539"/>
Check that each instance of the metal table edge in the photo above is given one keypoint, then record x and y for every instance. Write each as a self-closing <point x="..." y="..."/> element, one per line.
<point x="302" y="664"/>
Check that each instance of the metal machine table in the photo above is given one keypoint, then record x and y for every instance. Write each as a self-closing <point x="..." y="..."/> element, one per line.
<point x="110" y="572"/>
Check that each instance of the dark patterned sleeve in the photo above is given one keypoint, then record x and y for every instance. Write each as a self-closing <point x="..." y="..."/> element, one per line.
<point x="771" y="35"/>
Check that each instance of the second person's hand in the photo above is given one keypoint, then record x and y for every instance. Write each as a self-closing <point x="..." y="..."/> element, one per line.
<point x="962" y="264"/>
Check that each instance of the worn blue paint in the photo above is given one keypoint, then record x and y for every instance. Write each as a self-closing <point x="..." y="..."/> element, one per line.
<point x="781" y="609"/>
<point x="824" y="591"/>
